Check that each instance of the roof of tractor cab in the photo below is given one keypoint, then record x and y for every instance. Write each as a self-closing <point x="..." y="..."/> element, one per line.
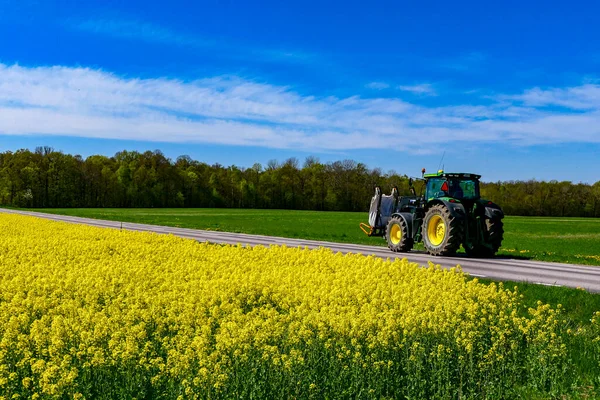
<point x="459" y="175"/>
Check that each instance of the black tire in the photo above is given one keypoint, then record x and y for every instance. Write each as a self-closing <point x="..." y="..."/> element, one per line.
<point x="443" y="241"/>
<point x="397" y="236"/>
<point x="493" y="235"/>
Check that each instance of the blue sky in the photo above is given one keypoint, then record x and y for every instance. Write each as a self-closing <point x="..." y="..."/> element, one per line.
<point x="508" y="90"/>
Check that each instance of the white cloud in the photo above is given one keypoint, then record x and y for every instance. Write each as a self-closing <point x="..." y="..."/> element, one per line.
<point x="425" y="89"/>
<point x="232" y="111"/>
<point x="377" y="85"/>
<point x="584" y="97"/>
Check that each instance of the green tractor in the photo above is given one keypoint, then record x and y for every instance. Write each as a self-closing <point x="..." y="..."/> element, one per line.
<point x="451" y="213"/>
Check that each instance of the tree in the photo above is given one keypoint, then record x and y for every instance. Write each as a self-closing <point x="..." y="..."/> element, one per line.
<point x="49" y="178"/>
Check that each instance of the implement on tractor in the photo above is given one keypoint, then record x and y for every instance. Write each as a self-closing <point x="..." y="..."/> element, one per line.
<point x="450" y="214"/>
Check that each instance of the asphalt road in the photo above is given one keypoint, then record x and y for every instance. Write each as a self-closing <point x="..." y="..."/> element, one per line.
<point x="505" y="269"/>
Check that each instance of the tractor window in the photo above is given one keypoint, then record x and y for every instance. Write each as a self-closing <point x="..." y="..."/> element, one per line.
<point x="434" y="188"/>
<point x="466" y="189"/>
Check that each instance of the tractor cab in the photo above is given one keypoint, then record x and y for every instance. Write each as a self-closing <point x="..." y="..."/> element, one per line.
<point x="457" y="186"/>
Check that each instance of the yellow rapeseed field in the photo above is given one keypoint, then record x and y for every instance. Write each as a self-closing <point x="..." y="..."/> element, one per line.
<point x="98" y="313"/>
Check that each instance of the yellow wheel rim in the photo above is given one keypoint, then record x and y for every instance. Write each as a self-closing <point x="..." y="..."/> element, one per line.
<point x="436" y="230"/>
<point x="395" y="234"/>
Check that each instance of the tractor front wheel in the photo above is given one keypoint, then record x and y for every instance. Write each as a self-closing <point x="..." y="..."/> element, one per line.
<point x="442" y="233"/>
<point x="397" y="235"/>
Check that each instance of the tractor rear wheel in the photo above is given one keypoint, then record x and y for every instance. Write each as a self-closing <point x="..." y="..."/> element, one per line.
<point x="442" y="233"/>
<point x="493" y="234"/>
<point x="397" y="235"/>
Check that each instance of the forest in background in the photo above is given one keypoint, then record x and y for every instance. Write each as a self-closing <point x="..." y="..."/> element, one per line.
<point x="46" y="178"/>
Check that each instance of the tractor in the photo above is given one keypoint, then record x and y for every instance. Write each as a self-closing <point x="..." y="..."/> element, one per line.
<point x="451" y="213"/>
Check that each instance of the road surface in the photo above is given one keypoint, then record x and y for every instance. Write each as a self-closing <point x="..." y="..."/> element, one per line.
<point x="504" y="269"/>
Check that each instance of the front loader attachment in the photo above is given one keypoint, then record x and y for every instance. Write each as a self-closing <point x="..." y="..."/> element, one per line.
<point x="382" y="208"/>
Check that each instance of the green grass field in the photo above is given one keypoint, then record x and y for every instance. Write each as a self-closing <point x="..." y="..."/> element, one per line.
<point x="577" y="307"/>
<point x="568" y="240"/>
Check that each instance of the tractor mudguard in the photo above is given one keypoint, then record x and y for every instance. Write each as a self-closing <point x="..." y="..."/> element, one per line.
<point x="494" y="212"/>
<point x="409" y="219"/>
<point x="457" y="210"/>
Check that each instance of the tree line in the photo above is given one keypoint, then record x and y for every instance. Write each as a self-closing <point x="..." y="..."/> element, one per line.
<point x="46" y="178"/>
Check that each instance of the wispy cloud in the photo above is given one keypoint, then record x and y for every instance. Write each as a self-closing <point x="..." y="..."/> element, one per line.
<point x="132" y="29"/>
<point x="232" y="111"/>
<point x="584" y="97"/>
<point x="425" y="89"/>
<point x="377" y="85"/>
<point x="139" y="30"/>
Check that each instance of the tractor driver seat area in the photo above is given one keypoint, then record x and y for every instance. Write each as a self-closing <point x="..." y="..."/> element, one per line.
<point x="456" y="190"/>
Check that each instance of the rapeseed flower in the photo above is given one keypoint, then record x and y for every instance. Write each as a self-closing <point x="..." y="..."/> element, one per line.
<point x="88" y="312"/>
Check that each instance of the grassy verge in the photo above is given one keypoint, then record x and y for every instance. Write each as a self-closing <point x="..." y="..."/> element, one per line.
<point x="577" y="308"/>
<point x="567" y="240"/>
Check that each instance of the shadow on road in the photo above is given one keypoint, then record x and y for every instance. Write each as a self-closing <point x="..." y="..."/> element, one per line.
<point x="465" y="255"/>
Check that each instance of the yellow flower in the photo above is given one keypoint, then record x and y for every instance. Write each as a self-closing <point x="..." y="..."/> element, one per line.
<point x="169" y="312"/>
